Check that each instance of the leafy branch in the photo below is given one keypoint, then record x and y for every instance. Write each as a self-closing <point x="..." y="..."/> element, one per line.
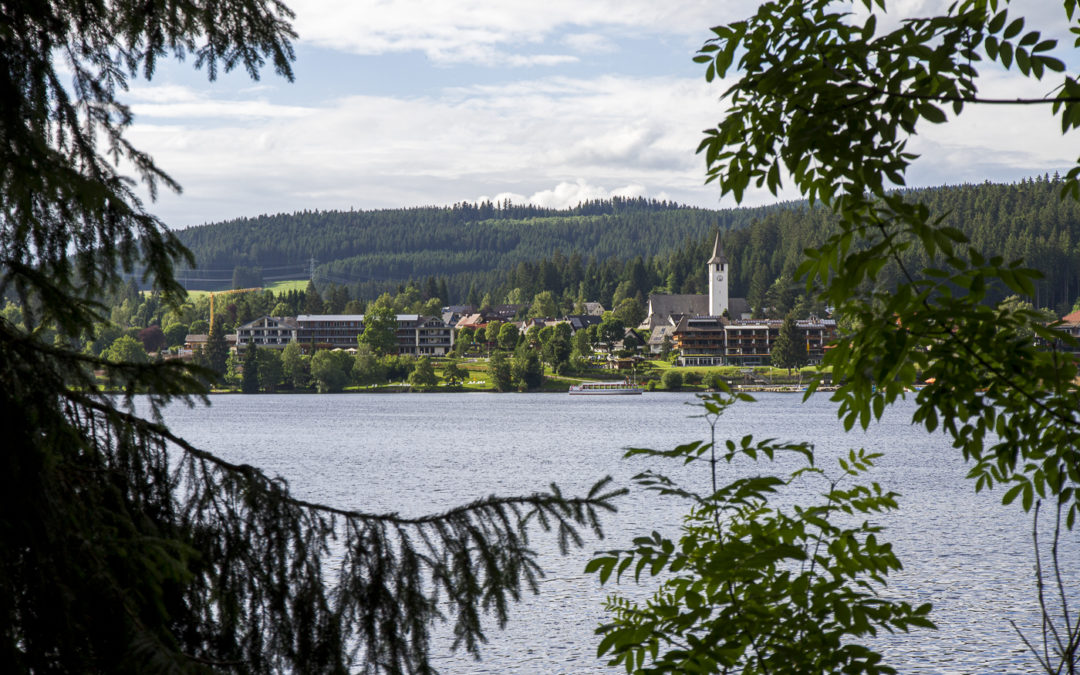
<point x="751" y="588"/>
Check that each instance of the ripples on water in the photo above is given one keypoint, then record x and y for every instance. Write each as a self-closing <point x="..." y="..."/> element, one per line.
<point x="415" y="454"/>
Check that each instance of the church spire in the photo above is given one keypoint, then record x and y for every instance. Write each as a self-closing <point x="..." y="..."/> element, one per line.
<point x="718" y="251"/>
<point x="718" y="279"/>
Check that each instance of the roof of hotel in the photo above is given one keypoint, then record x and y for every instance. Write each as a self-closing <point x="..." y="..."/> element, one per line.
<point x="350" y="317"/>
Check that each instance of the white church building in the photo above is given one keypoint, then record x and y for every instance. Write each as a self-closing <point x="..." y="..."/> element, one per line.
<point x="665" y="310"/>
<point x="716" y="329"/>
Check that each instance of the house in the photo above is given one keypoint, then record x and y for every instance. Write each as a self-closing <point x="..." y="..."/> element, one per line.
<point x="267" y="331"/>
<point x="582" y="321"/>
<point x="631" y="340"/>
<point x="193" y="340"/>
<point x="453" y="313"/>
<point x="472" y="321"/>
<point x="657" y="337"/>
<point x="434" y="337"/>
<point x="503" y="313"/>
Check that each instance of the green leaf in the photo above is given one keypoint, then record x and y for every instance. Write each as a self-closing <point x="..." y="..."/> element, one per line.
<point x="932" y="114"/>
<point x="1005" y="54"/>
<point x="1022" y="60"/>
<point x="1014" y="29"/>
<point x="997" y="22"/>
<point x="1012" y="494"/>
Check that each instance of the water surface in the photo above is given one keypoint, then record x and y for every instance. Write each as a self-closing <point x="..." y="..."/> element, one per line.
<point x="414" y="454"/>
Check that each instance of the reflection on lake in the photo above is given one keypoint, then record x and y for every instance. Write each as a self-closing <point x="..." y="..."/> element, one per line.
<point x="968" y="555"/>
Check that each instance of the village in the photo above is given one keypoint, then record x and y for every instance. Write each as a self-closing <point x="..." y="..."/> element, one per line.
<point x="681" y="331"/>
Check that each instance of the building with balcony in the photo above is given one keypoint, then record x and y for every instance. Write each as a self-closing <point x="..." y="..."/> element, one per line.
<point x="267" y="331"/>
<point x="716" y="341"/>
<point x="417" y="335"/>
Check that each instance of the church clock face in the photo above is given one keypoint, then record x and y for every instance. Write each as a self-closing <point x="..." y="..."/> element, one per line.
<point x="719" y="277"/>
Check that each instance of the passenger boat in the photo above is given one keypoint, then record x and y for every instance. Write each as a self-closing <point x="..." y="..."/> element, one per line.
<point x="604" y="388"/>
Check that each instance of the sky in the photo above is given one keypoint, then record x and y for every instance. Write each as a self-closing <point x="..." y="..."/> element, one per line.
<point x="400" y="103"/>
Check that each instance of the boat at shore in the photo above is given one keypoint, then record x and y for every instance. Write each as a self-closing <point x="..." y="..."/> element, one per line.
<point x="604" y="388"/>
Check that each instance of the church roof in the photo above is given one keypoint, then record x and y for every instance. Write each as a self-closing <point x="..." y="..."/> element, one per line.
<point x="737" y="307"/>
<point x="718" y="251"/>
<point x="666" y="305"/>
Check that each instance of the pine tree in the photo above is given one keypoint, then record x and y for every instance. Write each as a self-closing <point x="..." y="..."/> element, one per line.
<point x="126" y="548"/>
<point x="788" y="351"/>
<point x="250" y="383"/>
<point x="313" y="302"/>
<point x="217" y="349"/>
<point x="499" y="372"/>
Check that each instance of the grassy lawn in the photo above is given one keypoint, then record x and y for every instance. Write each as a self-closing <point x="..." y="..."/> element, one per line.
<point x="286" y="286"/>
<point x="276" y="287"/>
<point x="477" y="379"/>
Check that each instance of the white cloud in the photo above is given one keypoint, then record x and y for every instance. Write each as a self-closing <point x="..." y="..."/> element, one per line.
<point x="568" y="195"/>
<point x="611" y="135"/>
<point x="181" y="102"/>
<point x="234" y="109"/>
<point x="589" y="43"/>
<point x="997" y="142"/>
<point x="544" y="140"/>
<point x="452" y="31"/>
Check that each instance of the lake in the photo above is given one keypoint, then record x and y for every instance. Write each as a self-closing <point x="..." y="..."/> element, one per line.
<point x="418" y="453"/>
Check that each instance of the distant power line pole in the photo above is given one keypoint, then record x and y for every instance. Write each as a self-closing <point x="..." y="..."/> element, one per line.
<point x="311" y="268"/>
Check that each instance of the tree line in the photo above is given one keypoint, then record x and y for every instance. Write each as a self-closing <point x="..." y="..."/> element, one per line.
<point x="609" y="250"/>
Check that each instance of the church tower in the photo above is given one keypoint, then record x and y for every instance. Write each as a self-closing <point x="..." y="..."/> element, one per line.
<point x="718" y="279"/>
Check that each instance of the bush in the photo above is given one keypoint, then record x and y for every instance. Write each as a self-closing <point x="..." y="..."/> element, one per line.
<point x="693" y="377"/>
<point x="673" y="380"/>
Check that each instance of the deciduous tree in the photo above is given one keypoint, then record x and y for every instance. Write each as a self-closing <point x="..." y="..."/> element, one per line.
<point x="380" y="330"/>
<point x="152" y="338"/>
<point x="508" y="336"/>
<point x="330" y="369"/>
<point x="296" y="365"/>
<point x="175" y="334"/>
<point x="753" y="588"/>
<point x="125" y="349"/>
<point x="423" y="375"/>
<point x="829" y="102"/>
<point x="453" y="373"/>
<point x="366" y="367"/>
<point x="125" y="548"/>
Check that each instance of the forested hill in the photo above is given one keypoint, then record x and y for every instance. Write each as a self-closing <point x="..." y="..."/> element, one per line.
<point x="1026" y="220"/>
<point x="607" y="250"/>
<point x="355" y="247"/>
